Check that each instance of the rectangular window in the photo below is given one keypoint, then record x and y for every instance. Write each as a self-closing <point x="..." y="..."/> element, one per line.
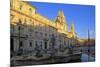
<point x="20" y="44"/>
<point x="30" y="44"/>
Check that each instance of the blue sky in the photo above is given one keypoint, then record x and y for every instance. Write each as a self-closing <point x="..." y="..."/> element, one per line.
<point x="82" y="16"/>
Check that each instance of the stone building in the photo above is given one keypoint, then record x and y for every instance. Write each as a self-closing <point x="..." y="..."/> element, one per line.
<point x="31" y="31"/>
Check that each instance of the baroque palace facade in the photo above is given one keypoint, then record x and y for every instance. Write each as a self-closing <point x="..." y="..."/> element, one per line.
<point x="31" y="31"/>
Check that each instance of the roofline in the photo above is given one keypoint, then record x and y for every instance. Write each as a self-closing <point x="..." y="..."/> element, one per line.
<point x="29" y="4"/>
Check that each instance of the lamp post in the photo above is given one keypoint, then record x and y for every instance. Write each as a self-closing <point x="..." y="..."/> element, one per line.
<point x="88" y="45"/>
<point x="76" y="39"/>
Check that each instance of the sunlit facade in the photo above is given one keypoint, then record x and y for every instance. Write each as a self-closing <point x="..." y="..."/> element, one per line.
<point x="31" y="31"/>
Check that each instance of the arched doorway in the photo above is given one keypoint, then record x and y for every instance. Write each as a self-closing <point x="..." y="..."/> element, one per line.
<point x="12" y="45"/>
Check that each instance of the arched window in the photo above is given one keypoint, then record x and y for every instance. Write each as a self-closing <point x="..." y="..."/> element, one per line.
<point x="20" y="7"/>
<point x="30" y="10"/>
<point x="20" y="21"/>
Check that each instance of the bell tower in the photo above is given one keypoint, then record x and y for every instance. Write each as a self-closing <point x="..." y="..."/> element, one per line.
<point x="72" y="29"/>
<point x="61" y="21"/>
<point x="60" y="17"/>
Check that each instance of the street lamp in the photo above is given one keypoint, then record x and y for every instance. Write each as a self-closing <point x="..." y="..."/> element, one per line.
<point x="88" y="45"/>
<point x="76" y="39"/>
